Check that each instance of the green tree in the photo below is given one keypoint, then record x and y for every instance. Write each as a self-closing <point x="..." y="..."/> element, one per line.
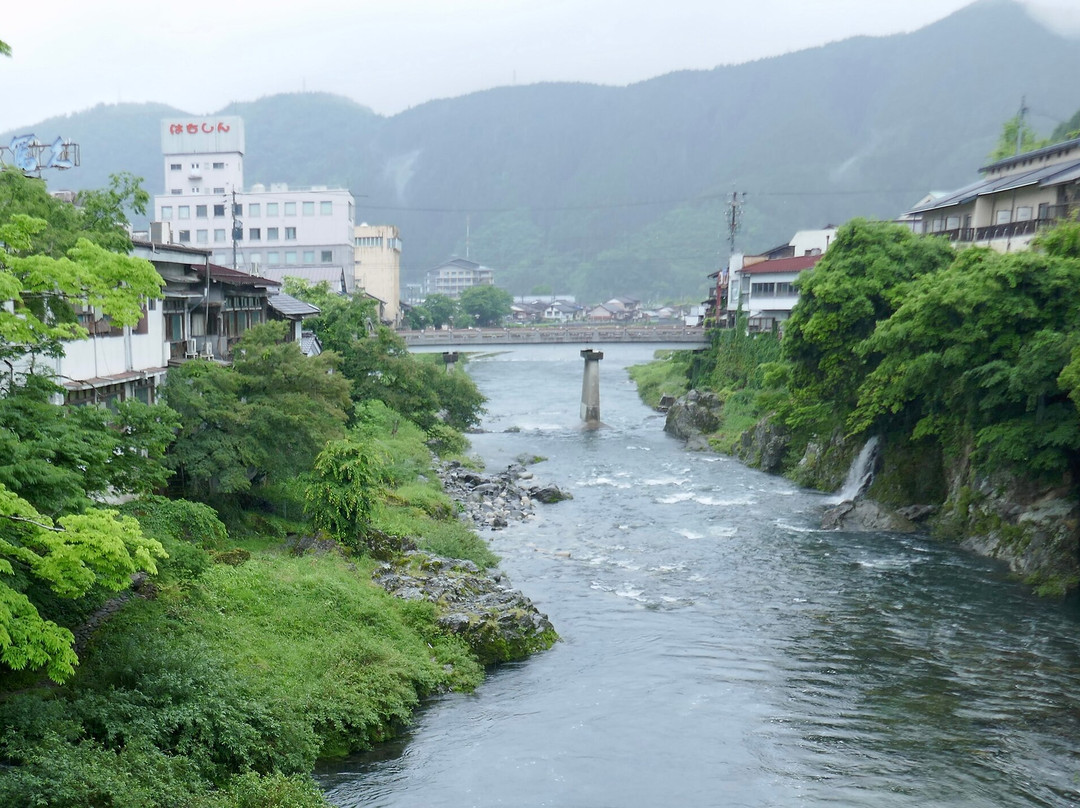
<point x="859" y="282"/>
<point x="417" y="318"/>
<point x="263" y="420"/>
<point x="982" y="349"/>
<point x="345" y="485"/>
<point x="379" y="367"/>
<point x="442" y="309"/>
<point x="486" y="305"/>
<point x="42" y="290"/>
<point x="53" y="259"/>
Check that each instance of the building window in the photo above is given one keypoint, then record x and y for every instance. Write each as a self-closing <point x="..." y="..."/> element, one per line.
<point x="1044" y="210"/>
<point x="219" y="165"/>
<point x="200" y="211"/>
<point x="326" y="208"/>
<point x="271" y="234"/>
<point x="290" y="234"/>
<point x="166" y="212"/>
<point x="1003" y="217"/>
<point x="175" y="191"/>
<point x="254" y="233"/>
<point x="952" y="223"/>
<point x="273" y="258"/>
<point x="309" y="256"/>
<point x="219" y="211"/>
<point x="290" y="256"/>
<point x="1023" y="213"/>
<point x="202" y="237"/>
<point x="327" y="256"/>
<point x="185" y="236"/>
<point x="308" y="209"/>
<point x="271" y="208"/>
<point x="255" y="259"/>
<point x="219" y="234"/>
<point x="219" y="190"/>
<point x="254" y="210"/>
<point x="290" y="208"/>
<point x="237" y="209"/>
<point x="194" y="165"/>
<point x="175" y="167"/>
<point x="183" y="212"/>
<point x="195" y="189"/>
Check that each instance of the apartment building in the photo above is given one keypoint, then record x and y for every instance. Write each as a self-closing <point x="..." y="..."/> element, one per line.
<point x="206" y="205"/>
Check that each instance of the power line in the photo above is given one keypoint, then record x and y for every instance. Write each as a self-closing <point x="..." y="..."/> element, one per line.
<point x="638" y="204"/>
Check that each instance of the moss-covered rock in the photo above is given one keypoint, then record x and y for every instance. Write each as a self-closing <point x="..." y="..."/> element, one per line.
<point x="498" y="622"/>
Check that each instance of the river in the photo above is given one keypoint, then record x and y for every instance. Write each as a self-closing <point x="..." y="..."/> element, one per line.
<point x="718" y="649"/>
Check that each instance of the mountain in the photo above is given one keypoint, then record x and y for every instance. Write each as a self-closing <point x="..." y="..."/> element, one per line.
<point x="623" y="190"/>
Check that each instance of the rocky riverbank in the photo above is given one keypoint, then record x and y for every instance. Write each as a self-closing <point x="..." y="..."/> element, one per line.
<point x="494" y="501"/>
<point x="1032" y="527"/>
<point x="499" y="623"/>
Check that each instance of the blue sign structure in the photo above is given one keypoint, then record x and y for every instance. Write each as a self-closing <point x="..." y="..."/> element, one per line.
<point x="30" y="156"/>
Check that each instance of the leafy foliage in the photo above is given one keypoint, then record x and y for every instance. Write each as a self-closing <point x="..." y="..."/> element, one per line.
<point x="485" y="305"/>
<point x="263" y="420"/>
<point x="859" y="282"/>
<point x="346" y="482"/>
<point x="379" y="366"/>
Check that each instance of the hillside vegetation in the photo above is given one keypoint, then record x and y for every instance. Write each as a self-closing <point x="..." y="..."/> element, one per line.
<point x="602" y="191"/>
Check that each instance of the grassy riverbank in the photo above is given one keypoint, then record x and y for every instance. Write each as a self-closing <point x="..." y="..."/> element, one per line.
<point x="249" y="657"/>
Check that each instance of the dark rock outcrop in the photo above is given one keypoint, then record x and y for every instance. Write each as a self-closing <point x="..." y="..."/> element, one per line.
<point x="499" y="623"/>
<point x="864" y="515"/>
<point x="693" y="417"/>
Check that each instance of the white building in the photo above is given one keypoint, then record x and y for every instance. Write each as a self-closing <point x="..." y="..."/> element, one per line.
<point x="457" y="275"/>
<point x="206" y="205"/>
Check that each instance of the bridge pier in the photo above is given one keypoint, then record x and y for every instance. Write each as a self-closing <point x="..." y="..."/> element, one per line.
<point x="590" y="387"/>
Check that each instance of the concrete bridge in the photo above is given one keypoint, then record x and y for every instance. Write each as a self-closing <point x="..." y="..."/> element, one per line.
<point x="693" y="337"/>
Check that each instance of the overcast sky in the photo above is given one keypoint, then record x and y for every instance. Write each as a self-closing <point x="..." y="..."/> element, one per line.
<point x="198" y="55"/>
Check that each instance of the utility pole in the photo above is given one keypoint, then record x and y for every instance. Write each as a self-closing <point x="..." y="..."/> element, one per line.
<point x="734" y="217"/>
<point x="1020" y="124"/>
<point x="236" y="231"/>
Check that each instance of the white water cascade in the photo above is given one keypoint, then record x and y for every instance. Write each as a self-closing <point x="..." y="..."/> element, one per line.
<point x="860" y="473"/>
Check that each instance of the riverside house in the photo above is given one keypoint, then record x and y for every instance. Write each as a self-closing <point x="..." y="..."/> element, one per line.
<point x="205" y="310"/>
<point x="1014" y="199"/>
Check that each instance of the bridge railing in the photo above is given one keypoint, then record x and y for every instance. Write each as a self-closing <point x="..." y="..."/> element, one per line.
<point x="526" y="335"/>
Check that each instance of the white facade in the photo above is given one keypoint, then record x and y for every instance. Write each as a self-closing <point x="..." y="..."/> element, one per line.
<point x="812" y="242"/>
<point x="378" y="266"/>
<point x="207" y="206"/>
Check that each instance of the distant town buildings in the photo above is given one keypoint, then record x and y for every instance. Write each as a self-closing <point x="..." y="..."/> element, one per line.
<point x="206" y="206"/>
<point x="377" y="267"/>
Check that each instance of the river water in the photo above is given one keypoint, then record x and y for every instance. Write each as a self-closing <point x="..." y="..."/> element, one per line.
<point x="718" y="649"/>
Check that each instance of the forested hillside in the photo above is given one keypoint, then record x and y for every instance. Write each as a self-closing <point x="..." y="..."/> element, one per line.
<point x="622" y="190"/>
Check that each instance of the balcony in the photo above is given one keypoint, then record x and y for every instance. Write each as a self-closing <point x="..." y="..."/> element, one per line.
<point x="998" y="232"/>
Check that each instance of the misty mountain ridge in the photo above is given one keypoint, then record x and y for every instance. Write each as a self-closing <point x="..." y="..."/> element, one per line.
<point x="601" y="190"/>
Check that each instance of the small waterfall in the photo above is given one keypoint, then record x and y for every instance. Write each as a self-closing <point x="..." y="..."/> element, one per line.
<point x="860" y="473"/>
